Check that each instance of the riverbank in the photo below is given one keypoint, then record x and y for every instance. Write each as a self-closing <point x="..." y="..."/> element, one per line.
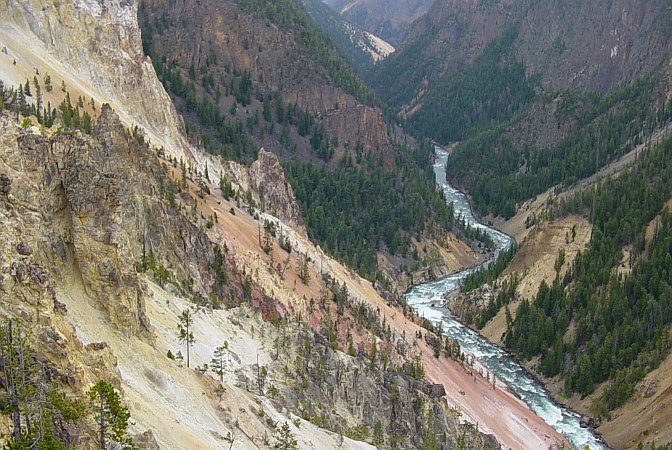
<point x="494" y="359"/>
<point x="495" y="410"/>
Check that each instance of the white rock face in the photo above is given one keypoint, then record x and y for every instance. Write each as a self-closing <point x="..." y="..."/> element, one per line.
<point x="96" y="46"/>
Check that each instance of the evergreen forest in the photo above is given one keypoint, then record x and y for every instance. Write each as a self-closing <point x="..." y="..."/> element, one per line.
<point x="355" y="204"/>
<point x="617" y="296"/>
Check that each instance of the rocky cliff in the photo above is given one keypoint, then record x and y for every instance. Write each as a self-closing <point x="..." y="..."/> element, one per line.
<point x="306" y="73"/>
<point x="35" y="218"/>
<point x="95" y="46"/>
<point x="265" y="180"/>
<point x="96" y="205"/>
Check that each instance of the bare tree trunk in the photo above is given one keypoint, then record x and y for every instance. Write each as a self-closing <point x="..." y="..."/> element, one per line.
<point x="11" y="381"/>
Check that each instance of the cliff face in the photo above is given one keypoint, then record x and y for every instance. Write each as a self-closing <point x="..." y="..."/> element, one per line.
<point x="266" y="182"/>
<point x="595" y="46"/>
<point x="94" y="204"/>
<point x="29" y="249"/>
<point x="98" y="44"/>
<point x="275" y="193"/>
<point x="229" y="39"/>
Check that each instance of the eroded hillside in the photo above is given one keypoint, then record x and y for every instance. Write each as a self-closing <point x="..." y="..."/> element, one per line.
<point x="261" y="74"/>
<point x="561" y="234"/>
<point x="110" y="233"/>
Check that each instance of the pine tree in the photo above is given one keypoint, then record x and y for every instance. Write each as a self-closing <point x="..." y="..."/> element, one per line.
<point x="285" y="439"/>
<point x="47" y="83"/>
<point x="38" y="102"/>
<point x="184" y="327"/>
<point x="262" y="374"/>
<point x="86" y="122"/>
<point x="110" y="415"/>
<point x="218" y="360"/>
<point x="39" y="411"/>
<point x="21" y="100"/>
<point x="302" y="269"/>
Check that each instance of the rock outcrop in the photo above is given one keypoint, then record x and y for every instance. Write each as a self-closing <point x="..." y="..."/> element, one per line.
<point x="99" y="43"/>
<point x="91" y="207"/>
<point x="29" y="282"/>
<point x="266" y="182"/>
<point x="267" y="179"/>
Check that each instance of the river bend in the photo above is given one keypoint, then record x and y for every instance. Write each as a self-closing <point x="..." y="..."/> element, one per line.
<point x="424" y="298"/>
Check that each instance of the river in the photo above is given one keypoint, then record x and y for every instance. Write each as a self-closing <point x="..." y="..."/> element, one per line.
<point x="424" y="297"/>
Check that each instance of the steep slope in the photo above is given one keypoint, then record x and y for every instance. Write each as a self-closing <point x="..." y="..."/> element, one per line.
<point x="571" y="306"/>
<point x="100" y="56"/>
<point x="387" y="19"/>
<point x="106" y="240"/>
<point x="598" y="47"/>
<point x="352" y="314"/>
<point x="548" y="100"/>
<point x="361" y="47"/>
<point x="273" y="80"/>
<point x="533" y="112"/>
<point x="272" y="57"/>
<point x="76" y="281"/>
<point x="77" y="275"/>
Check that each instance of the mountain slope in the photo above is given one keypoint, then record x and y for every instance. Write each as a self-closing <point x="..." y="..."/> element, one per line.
<point x="387" y="19"/>
<point x="270" y="52"/>
<point x="274" y="80"/>
<point x="589" y="260"/>
<point x="557" y="113"/>
<point x="361" y="47"/>
<point x="107" y="239"/>
<point x="598" y="47"/>
<point x="117" y="72"/>
<point x="529" y="108"/>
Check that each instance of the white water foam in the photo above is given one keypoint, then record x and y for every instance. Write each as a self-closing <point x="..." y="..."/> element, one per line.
<point x="427" y="298"/>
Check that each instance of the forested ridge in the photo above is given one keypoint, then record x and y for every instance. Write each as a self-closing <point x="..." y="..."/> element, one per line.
<point x="290" y="17"/>
<point x="474" y="74"/>
<point x="621" y="317"/>
<point x="500" y="173"/>
<point x="354" y="204"/>
<point x="474" y="98"/>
